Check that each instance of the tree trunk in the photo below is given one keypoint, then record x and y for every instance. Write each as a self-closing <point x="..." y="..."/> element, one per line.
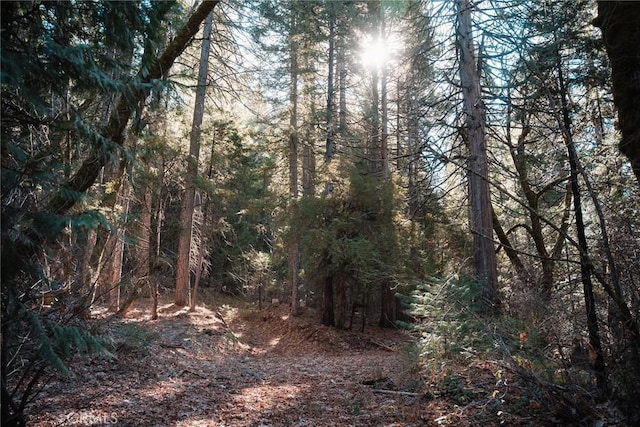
<point x="340" y="306"/>
<point x="328" y="318"/>
<point x="399" y="106"/>
<point x="342" y="84"/>
<point x="198" y="264"/>
<point x="585" y="264"/>
<point x="85" y="267"/>
<point x="203" y="238"/>
<point x="293" y="161"/>
<point x="413" y="158"/>
<point x="308" y="168"/>
<point x="107" y="289"/>
<point x="154" y="282"/>
<point x="481" y="222"/>
<point x="618" y="21"/>
<point x="384" y="107"/>
<point x="387" y="307"/>
<point x="309" y="108"/>
<point x="330" y="148"/>
<point x="143" y="244"/>
<point x="186" y="214"/>
<point x="117" y="258"/>
<point x="143" y="249"/>
<point x="374" y="151"/>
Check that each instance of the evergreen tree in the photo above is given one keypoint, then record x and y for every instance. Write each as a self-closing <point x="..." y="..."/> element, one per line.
<point x="183" y="269"/>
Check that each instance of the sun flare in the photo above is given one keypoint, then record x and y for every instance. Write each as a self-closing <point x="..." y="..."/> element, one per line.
<point x="375" y="53"/>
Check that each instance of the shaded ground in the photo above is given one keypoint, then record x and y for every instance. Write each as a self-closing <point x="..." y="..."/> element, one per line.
<point x="242" y="367"/>
<point x="254" y="368"/>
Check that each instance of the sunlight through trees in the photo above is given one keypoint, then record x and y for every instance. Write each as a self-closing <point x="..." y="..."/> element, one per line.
<point x="465" y="171"/>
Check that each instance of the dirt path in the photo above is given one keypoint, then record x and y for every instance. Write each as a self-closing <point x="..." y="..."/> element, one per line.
<point x="243" y="368"/>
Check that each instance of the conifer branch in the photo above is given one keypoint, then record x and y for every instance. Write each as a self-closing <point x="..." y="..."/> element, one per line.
<point x="88" y="172"/>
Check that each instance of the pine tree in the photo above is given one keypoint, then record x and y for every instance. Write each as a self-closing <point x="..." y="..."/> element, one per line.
<point x="186" y="214"/>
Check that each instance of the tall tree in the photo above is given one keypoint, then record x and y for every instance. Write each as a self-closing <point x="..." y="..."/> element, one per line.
<point x="183" y="267"/>
<point x="293" y="151"/>
<point x="480" y="218"/>
<point x="585" y="264"/>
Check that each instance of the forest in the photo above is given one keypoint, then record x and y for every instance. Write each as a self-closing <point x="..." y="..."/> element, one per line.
<point x="320" y="212"/>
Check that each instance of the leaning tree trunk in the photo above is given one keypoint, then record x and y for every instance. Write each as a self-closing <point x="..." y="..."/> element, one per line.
<point x="585" y="264"/>
<point x="186" y="214"/>
<point x="88" y="172"/>
<point x="481" y="222"/>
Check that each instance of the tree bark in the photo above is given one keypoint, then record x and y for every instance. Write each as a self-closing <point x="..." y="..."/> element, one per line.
<point x="330" y="147"/>
<point x="387" y="306"/>
<point x="340" y="306"/>
<point x="618" y="21"/>
<point x="107" y="278"/>
<point x="384" y="140"/>
<point x="154" y="282"/>
<point x="484" y="257"/>
<point x="293" y="160"/>
<point x="342" y="81"/>
<point x="143" y="249"/>
<point x="117" y="258"/>
<point x="186" y="214"/>
<point x="328" y="318"/>
<point x="206" y="203"/>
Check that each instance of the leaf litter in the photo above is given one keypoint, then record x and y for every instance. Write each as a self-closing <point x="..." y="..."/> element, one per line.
<point x="237" y="366"/>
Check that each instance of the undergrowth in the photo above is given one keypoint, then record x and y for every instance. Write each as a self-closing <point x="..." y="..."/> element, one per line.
<point x="500" y="365"/>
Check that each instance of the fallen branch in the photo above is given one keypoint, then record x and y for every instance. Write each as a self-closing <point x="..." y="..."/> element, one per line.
<point x="171" y="345"/>
<point x="383" y="346"/>
<point x="187" y="371"/>
<point x="403" y="393"/>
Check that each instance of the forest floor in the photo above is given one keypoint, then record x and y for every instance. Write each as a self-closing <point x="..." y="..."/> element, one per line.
<point x="239" y="366"/>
